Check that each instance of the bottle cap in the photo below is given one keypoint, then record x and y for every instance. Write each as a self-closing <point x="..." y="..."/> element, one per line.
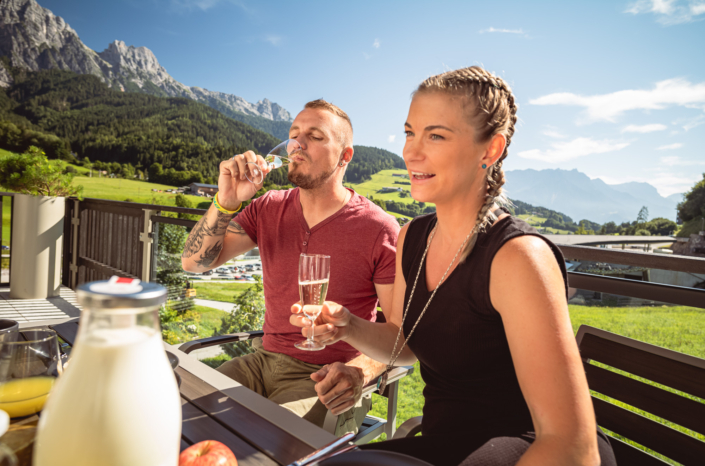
<point x="120" y="293"/>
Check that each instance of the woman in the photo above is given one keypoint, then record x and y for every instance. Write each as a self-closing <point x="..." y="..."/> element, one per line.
<point x="479" y="298"/>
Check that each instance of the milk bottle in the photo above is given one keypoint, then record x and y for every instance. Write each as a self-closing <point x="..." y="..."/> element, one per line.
<point x="117" y="402"/>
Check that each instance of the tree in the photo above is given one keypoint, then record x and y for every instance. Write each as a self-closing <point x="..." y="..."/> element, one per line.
<point x="661" y="226"/>
<point x="643" y="215"/>
<point x="156" y="171"/>
<point x="247" y="315"/>
<point x="31" y="173"/>
<point x="610" y="228"/>
<point x="183" y="201"/>
<point x="693" y="204"/>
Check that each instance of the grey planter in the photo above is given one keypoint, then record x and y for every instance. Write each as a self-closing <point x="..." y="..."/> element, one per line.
<point x="37" y="242"/>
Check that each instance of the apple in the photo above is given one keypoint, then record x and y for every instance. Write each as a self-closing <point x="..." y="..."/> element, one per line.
<point x="207" y="453"/>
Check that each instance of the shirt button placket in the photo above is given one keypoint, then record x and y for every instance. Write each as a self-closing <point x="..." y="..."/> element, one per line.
<point x="306" y="238"/>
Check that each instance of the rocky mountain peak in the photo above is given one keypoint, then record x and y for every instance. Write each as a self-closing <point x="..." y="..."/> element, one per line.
<point x="33" y="38"/>
<point x="133" y="58"/>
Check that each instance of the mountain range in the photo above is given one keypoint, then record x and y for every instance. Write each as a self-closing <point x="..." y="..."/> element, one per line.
<point x="577" y="195"/>
<point x="33" y="38"/>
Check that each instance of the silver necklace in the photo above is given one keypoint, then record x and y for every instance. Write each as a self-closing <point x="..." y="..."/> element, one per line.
<point x="382" y="382"/>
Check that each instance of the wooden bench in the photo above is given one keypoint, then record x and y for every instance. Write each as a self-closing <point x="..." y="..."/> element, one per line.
<point x="666" y="367"/>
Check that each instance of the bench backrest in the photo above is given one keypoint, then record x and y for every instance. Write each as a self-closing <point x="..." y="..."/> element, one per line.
<point x="666" y="367"/>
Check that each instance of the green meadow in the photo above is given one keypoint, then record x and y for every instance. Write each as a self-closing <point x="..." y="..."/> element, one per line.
<point x="224" y="292"/>
<point x="536" y="222"/>
<point x="381" y="180"/>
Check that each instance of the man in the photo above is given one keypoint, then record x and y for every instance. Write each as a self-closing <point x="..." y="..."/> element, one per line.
<point x="320" y="216"/>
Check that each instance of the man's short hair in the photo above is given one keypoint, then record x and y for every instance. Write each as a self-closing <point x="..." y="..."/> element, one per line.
<point x="345" y="137"/>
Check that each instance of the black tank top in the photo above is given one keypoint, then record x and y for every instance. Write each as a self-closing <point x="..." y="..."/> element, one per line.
<point x="460" y="342"/>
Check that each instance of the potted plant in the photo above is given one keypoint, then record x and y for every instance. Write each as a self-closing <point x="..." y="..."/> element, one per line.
<point x="38" y="221"/>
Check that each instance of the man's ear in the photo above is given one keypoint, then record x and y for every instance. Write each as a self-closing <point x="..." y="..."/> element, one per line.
<point x="347" y="154"/>
<point x="495" y="149"/>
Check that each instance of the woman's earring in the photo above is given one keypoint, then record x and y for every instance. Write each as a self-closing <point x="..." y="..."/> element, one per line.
<point x="341" y="164"/>
<point x="484" y="166"/>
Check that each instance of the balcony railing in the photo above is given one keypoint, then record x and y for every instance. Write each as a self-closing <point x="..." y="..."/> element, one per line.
<point x="104" y="238"/>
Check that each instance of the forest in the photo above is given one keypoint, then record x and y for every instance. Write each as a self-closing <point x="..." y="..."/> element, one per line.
<point x="74" y="117"/>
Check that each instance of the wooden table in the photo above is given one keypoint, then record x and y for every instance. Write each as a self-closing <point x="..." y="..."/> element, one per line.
<point x="215" y="407"/>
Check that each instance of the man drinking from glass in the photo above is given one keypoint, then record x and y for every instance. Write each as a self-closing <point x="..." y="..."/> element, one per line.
<point x="319" y="216"/>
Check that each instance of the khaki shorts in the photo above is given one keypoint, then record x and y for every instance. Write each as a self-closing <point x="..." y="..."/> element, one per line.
<point x="287" y="382"/>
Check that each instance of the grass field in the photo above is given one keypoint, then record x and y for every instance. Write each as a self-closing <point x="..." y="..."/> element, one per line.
<point x="6" y="203"/>
<point x="225" y="292"/>
<point x="205" y="320"/>
<point x="536" y="222"/>
<point x="678" y="328"/>
<point x="118" y="189"/>
<point x="381" y="180"/>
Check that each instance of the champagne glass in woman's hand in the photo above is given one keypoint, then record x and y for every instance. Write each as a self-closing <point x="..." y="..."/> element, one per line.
<point x="329" y="327"/>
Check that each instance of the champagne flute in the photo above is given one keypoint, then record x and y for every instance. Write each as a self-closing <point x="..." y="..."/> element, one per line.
<point x="314" y="273"/>
<point x="28" y="369"/>
<point x="277" y="157"/>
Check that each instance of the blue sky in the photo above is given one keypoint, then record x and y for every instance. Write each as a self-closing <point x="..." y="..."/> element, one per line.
<point x="615" y="89"/>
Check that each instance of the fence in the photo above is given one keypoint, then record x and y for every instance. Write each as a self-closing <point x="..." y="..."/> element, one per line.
<point x="104" y="238"/>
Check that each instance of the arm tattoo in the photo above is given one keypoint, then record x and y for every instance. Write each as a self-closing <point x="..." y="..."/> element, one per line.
<point x="235" y="228"/>
<point x="210" y="255"/>
<point x="201" y="231"/>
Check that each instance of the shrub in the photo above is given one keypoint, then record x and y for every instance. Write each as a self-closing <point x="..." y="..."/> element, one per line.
<point x="32" y="173"/>
<point x="247" y="315"/>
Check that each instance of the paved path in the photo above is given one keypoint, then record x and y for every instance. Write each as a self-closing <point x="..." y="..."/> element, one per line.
<point x="227" y="307"/>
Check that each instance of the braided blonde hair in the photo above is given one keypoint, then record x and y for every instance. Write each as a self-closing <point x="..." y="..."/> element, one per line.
<point x="491" y="109"/>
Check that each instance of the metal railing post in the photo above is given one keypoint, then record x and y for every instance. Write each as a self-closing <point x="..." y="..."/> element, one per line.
<point x="73" y="267"/>
<point x="146" y="238"/>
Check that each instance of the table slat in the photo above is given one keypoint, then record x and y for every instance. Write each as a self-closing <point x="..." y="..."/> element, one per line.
<point x="197" y="426"/>
<point x="260" y="433"/>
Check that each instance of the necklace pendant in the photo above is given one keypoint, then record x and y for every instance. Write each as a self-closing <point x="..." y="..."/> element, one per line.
<point x="382" y="381"/>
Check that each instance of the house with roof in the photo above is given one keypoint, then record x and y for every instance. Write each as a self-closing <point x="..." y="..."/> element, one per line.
<point x="202" y="189"/>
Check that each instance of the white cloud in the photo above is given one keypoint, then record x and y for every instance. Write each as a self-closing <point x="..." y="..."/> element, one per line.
<point x="580" y="147"/>
<point x="272" y="39"/>
<point x="675" y="145"/>
<point x="503" y="31"/>
<point x="674" y="160"/>
<point x="608" y="107"/>
<point x="644" y="128"/>
<point x="554" y="134"/>
<point x="669" y="12"/>
<point x="695" y="122"/>
<point x="366" y="55"/>
<point x="376" y="44"/>
<point x="392" y="138"/>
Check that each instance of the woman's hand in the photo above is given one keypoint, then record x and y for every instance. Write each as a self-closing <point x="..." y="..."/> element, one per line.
<point x="233" y="185"/>
<point x="330" y="327"/>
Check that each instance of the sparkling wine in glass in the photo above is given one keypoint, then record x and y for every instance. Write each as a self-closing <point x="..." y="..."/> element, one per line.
<point x="314" y="273"/>
<point x="276" y="158"/>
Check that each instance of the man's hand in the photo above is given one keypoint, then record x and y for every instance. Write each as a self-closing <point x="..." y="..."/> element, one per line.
<point x="339" y="386"/>
<point x="331" y="324"/>
<point x="233" y="185"/>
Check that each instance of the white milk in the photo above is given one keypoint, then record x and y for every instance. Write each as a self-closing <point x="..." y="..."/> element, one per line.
<point x="117" y="404"/>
